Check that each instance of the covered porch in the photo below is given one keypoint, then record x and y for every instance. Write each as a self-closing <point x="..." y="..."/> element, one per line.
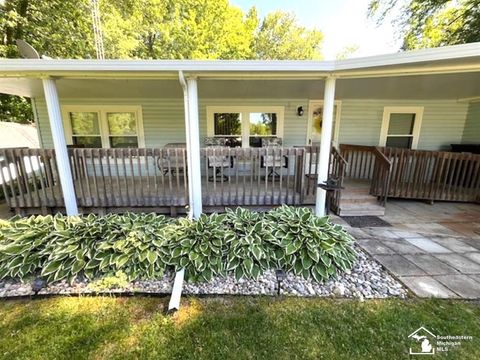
<point x="120" y="135"/>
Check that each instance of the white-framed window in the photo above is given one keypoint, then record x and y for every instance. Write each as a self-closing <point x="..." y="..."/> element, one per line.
<point x="245" y="126"/>
<point x="401" y="126"/>
<point x="99" y="126"/>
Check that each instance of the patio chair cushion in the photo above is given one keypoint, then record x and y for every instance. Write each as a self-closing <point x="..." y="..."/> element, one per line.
<point x="272" y="141"/>
<point x="218" y="160"/>
<point x="215" y="141"/>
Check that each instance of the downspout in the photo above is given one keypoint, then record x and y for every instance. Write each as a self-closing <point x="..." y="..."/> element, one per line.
<point x="174" y="303"/>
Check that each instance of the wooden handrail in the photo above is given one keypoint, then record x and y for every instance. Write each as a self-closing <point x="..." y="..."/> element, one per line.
<point x="382" y="175"/>
<point x="370" y="164"/>
<point x="337" y="169"/>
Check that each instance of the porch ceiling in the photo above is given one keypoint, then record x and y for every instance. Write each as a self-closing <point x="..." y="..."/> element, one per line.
<point x="440" y="73"/>
<point x="433" y="86"/>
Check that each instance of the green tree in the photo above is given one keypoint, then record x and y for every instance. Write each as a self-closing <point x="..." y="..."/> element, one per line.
<point x="149" y="29"/>
<point x="280" y="37"/>
<point x="432" y="23"/>
<point x="15" y="109"/>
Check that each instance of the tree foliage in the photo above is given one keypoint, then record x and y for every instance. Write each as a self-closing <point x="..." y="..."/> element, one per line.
<point x="156" y="29"/>
<point x="149" y="29"/>
<point x="432" y="23"/>
<point x="279" y="37"/>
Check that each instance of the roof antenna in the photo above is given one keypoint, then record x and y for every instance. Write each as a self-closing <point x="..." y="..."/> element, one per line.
<point x="27" y="51"/>
<point x="97" y="29"/>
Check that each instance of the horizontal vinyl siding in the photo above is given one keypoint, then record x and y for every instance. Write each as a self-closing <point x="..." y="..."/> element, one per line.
<point x="163" y="119"/>
<point x="443" y="122"/>
<point x="471" y="135"/>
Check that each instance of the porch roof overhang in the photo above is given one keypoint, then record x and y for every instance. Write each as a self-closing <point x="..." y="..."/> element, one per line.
<point x="454" y="65"/>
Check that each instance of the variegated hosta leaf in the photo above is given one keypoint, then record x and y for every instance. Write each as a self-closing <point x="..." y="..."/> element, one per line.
<point x="143" y="246"/>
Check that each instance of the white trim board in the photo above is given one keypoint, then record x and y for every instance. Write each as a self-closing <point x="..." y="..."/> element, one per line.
<point x="388" y="110"/>
<point x="101" y="110"/>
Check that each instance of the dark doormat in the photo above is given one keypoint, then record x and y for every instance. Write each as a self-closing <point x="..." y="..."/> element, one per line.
<point x="365" y="221"/>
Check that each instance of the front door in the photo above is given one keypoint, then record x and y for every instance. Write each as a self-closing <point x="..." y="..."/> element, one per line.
<point x="315" y="115"/>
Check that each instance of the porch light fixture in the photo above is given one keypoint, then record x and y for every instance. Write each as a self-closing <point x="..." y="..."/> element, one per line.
<point x="300" y="111"/>
<point x="280" y="278"/>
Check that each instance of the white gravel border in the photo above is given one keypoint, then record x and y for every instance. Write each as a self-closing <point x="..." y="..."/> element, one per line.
<point x="367" y="280"/>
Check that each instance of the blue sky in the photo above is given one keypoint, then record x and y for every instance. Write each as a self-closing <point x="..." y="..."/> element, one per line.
<point x="344" y="23"/>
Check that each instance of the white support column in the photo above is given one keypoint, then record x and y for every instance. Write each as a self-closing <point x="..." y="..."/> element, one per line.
<point x="183" y="83"/>
<point x="60" y="145"/>
<point x="190" y="99"/>
<point x="325" y="144"/>
<point x="194" y="147"/>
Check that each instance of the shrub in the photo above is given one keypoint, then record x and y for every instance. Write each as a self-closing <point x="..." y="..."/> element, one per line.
<point x="143" y="246"/>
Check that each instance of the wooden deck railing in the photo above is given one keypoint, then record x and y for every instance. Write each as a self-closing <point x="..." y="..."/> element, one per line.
<point x="253" y="176"/>
<point x="368" y="163"/>
<point x="415" y="174"/>
<point x="157" y="178"/>
<point x="29" y="178"/>
<point x="434" y="175"/>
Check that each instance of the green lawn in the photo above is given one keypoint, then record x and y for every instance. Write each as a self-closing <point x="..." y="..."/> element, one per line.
<point x="229" y="328"/>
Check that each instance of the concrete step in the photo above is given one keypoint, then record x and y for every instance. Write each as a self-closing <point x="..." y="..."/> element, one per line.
<point x="359" y="200"/>
<point x="356" y="191"/>
<point x="361" y="209"/>
<point x="355" y="195"/>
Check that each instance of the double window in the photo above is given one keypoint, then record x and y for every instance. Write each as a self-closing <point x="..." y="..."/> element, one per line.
<point x="104" y="126"/>
<point x="245" y="126"/>
<point x="401" y="127"/>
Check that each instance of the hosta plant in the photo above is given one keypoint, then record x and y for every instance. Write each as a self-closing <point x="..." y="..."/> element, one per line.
<point x="143" y="246"/>
<point x="199" y="246"/>
<point x="310" y="246"/>
<point x="250" y="243"/>
<point x="132" y="243"/>
<point x="21" y="245"/>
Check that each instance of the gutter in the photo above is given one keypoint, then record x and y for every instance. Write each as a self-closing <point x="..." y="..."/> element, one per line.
<point x="456" y="52"/>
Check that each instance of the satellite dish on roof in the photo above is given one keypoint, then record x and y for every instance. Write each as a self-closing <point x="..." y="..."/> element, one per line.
<point x="26" y="50"/>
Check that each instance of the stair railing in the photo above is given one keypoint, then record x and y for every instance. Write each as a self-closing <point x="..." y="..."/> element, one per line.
<point x="368" y="163"/>
<point x="336" y="170"/>
<point x="381" y="176"/>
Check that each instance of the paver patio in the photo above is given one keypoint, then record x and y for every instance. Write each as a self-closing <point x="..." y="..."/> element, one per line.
<point x="433" y="249"/>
